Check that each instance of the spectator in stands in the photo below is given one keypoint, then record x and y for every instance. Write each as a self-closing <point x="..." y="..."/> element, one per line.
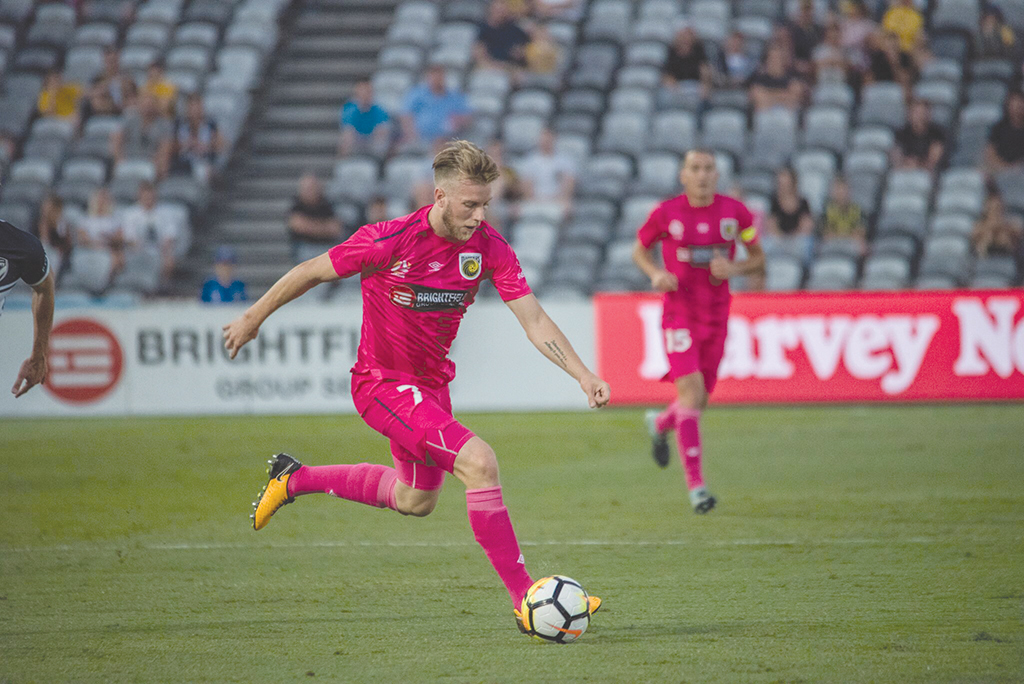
<point x="542" y="52"/>
<point x="687" y="64"/>
<point x="55" y="233"/>
<point x="996" y="232"/>
<point x="790" y="224"/>
<point x="1005" y="149"/>
<point x="58" y="98"/>
<point x="855" y="27"/>
<point x="157" y="85"/>
<point x="377" y="210"/>
<point x="148" y="228"/>
<point x="145" y="134"/>
<point x="887" y="64"/>
<point x="432" y="112"/>
<point x="805" y="33"/>
<point x="98" y="101"/>
<point x="774" y="85"/>
<point x="197" y="141"/>
<point x="100" y="229"/>
<point x="223" y="287"/>
<point x="903" y="19"/>
<point x="312" y="226"/>
<point x="843" y="220"/>
<point x="506" y="191"/>
<point x="829" y="58"/>
<point x="365" y="126"/>
<point x="736" y="65"/>
<point x="501" y="41"/>
<point x="119" y="85"/>
<point x="995" y="39"/>
<point x="547" y="175"/>
<point x="921" y="143"/>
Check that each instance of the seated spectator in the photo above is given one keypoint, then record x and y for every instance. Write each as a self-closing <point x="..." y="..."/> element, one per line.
<point x="542" y="53"/>
<point x="789" y="224"/>
<point x="222" y="287"/>
<point x="58" y="98"/>
<point x="432" y="112"/>
<point x="829" y="58"/>
<point x="546" y="175"/>
<point x="906" y="22"/>
<point x="145" y="134"/>
<point x="687" y="64"/>
<point x="855" y="27"/>
<point x="98" y="101"/>
<point x="775" y="85"/>
<point x="1005" y="149"/>
<point x="312" y="226"/>
<point x="995" y="39"/>
<point x="55" y="233"/>
<point x="100" y="229"/>
<point x="501" y="42"/>
<point x="736" y="65"/>
<point x="805" y="33"/>
<point x="843" y="219"/>
<point x="886" y="64"/>
<point x="157" y="85"/>
<point x="118" y="84"/>
<point x="995" y="232"/>
<point x="197" y="141"/>
<point x="149" y="229"/>
<point x="365" y="126"/>
<point x="920" y="144"/>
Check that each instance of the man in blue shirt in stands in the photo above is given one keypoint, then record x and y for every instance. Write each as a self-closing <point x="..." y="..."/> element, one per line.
<point x="365" y="126"/>
<point x="433" y="112"/>
<point x="223" y="287"/>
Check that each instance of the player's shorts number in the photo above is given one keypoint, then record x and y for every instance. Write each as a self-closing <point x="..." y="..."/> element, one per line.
<point x="417" y="396"/>
<point x="677" y="341"/>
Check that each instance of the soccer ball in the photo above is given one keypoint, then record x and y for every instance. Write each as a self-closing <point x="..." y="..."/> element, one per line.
<point x="556" y="609"/>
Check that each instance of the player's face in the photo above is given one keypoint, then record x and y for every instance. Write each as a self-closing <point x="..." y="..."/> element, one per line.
<point x="463" y="205"/>
<point x="699" y="175"/>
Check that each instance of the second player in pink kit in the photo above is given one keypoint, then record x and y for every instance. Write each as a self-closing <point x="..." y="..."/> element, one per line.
<point x="419" y="274"/>
<point x="699" y="232"/>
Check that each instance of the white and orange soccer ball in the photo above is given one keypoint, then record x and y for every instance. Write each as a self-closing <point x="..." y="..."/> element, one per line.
<point x="556" y="609"/>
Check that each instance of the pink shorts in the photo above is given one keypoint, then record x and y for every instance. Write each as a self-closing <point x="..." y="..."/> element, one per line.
<point x="425" y="437"/>
<point x="688" y="354"/>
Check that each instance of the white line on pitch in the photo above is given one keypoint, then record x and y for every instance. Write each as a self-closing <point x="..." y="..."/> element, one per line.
<point x="206" y="546"/>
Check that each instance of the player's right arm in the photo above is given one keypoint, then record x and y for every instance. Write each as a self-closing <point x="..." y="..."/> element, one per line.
<point x="651" y="232"/>
<point x="292" y="284"/>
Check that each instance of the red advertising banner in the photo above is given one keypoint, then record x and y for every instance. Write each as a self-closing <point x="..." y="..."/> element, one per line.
<point x="822" y="347"/>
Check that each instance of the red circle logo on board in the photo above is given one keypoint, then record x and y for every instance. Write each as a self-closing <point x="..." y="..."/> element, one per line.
<point x="85" y="361"/>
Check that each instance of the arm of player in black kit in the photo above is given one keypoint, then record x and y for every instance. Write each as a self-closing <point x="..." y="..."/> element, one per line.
<point x="552" y="343"/>
<point x="34" y="370"/>
<point x="292" y="285"/>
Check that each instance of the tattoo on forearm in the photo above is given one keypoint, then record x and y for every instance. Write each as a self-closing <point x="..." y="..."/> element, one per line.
<point x="557" y="352"/>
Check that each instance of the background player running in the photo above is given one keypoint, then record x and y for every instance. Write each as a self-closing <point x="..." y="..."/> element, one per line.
<point x="419" y="273"/>
<point x="698" y="232"/>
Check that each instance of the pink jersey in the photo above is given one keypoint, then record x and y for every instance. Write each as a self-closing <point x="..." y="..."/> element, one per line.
<point x="416" y="287"/>
<point x="689" y="237"/>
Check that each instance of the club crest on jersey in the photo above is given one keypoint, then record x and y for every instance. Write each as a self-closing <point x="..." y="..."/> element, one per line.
<point x="675" y="229"/>
<point x="3" y="267"/>
<point x="730" y="228"/>
<point x="470" y="265"/>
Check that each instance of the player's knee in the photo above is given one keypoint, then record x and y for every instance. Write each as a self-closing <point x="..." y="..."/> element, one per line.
<point x="477" y="465"/>
<point x="421" y="509"/>
<point x="416" y="502"/>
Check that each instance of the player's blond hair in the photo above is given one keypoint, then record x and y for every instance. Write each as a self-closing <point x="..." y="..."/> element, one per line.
<point x="461" y="160"/>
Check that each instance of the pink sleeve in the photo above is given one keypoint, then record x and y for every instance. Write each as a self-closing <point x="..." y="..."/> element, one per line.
<point x="508" y="275"/>
<point x="653" y="229"/>
<point x="364" y="251"/>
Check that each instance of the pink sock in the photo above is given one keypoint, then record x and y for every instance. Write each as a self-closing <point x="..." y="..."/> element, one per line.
<point x="668" y="418"/>
<point x="688" y="436"/>
<point x="367" y="483"/>
<point x="493" y="530"/>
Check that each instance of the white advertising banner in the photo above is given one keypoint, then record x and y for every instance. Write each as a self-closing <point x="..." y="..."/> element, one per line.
<point x="169" y="359"/>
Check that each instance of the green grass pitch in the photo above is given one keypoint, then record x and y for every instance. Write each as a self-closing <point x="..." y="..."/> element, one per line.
<point x="851" y="544"/>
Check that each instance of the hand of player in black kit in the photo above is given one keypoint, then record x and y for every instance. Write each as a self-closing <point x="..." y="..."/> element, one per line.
<point x="32" y="372"/>
<point x="597" y="390"/>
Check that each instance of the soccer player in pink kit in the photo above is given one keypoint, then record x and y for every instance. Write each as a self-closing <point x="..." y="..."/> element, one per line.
<point x="419" y="273"/>
<point x="698" y="231"/>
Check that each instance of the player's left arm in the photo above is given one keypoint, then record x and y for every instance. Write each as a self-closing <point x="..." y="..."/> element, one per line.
<point x="552" y="343"/>
<point x="33" y="370"/>
<point x="723" y="268"/>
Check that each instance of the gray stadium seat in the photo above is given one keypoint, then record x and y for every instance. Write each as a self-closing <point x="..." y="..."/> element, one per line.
<point x="783" y="273"/>
<point x="99" y="34"/>
<point x="673" y="131"/>
<point x="826" y="127"/>
<point x="521" y="132"/>
<point x="832" y="273"/>
<point x="952" y="224"/>
<point x="150" y="35"/>
<point x="658" y="174"/>
<point x="725" y="129"/>
<point x="882" y="104"/>
<point x="532" y="101"/>
<point x="624" y="132"/>
<point x="354" y="178"/>
<point x="534" y="242"/>
<point x="891" y="269"/>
